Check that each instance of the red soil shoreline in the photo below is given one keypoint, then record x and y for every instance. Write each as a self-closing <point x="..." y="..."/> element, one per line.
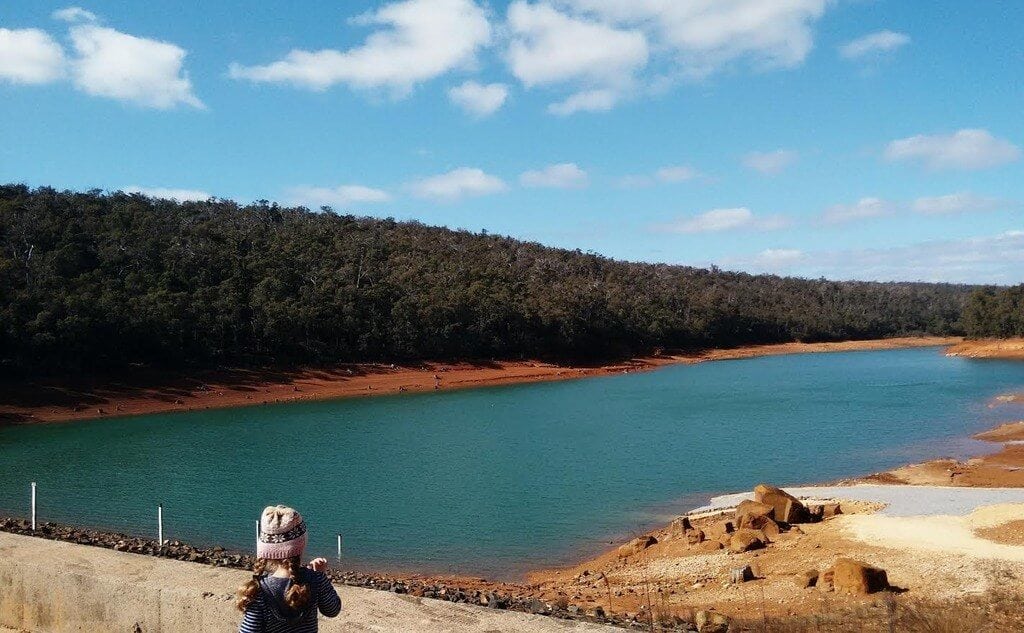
<point x="147" y="391"/>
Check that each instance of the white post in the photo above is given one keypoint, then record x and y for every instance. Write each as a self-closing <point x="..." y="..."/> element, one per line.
<point x="257" y="531"/>
<point x="160" y="527"/>
<point x="339" y="548"/>
<point x="33" y="506"/>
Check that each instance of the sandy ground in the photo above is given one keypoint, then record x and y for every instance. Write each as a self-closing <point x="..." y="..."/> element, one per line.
<point x="938" y="536"/>
<point x="146" y="391"/>
<point x="1011" y="349"/>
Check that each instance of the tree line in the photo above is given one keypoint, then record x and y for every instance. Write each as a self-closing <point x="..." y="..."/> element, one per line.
<point x="997" y="313"/>
<point x="104" y="280"/>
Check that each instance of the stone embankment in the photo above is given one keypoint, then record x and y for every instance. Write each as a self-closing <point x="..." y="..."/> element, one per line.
<point x="55" y="587"/>
<point x="498" y="596"/>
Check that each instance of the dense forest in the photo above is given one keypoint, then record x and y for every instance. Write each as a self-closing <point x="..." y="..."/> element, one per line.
<point x="90" y="280"/>
<point x="995" y="313"/>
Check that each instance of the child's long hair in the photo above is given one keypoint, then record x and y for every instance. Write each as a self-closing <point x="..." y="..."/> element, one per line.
<point x="297" y="596"/>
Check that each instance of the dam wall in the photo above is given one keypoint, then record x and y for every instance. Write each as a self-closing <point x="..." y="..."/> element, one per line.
<point x="55" y="587"/>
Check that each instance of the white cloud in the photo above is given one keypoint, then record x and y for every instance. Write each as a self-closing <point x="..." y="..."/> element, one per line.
<point x="420" y="40"/>
<point x="181" y="195"/>
<point x="703" y="36"/>
<point x="341" y="196"/>
<point x="717" y="220"/>
<point x="779" y="257"/>
<point x="30" y="56"/>
<point x="73" y="14"/>
<point x="477" y="99"/>
<point x="669" y="174"/>
<point x="770" y="163"/>
<point x="597" y="61"/>
<point x="551" y="47"/>
<point x="121" y="66"/>
<point x="863" y="209"/>
<point x="967" y="149"/>
<point x="560" y="176"/>
<point x="586" y="101"/>
<point x="676" y="173"/>
<point x="458" y="183"/>
<point x="874" y="43"/>
<point x="962" y="202"/>
<point x="995" y="259"/>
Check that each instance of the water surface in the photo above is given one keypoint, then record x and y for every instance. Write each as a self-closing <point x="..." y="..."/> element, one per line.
<point x="494" y="481"/>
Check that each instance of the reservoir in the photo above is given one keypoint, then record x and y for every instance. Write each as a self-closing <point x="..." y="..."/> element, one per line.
<point x="496" y="481"/>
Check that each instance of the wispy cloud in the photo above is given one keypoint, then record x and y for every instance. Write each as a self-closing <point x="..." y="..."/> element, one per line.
<point x="181" y="195"/>
<point x="874" y="44"/>
<point x="456" y="184"/>
<point x="719" y="220"/>
<point x="967" y="149"/>
<point x="961" y="202"/>
<point x="560" y="176"/>
<point x="669" y="174"/>
<point x="996" y="259"/>
<point x="770" y="163"/>
<point x="863" y="209"/>
<point x="341" y="196"/>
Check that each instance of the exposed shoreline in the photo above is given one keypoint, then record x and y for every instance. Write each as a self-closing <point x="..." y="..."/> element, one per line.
<point x="147" y="391"/>
<point x="675" y="574"/>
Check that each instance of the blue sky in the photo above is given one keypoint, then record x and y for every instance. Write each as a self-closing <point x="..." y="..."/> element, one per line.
<point x="845" y="138"/>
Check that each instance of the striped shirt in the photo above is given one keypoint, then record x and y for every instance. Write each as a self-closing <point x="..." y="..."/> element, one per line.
<point x="268" y="613"/>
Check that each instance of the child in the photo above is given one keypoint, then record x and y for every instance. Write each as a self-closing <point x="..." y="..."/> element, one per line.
<point x="283" y="596"/>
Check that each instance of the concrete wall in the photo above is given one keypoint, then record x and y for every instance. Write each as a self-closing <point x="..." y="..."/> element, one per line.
<point x="53" y="587"/>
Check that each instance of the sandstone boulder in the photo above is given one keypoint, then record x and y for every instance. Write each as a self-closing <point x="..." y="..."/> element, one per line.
<point x="857" y="578"/>
<point x="807" y="579"/>
<point x="710" y="546"/>
<point x="763" y="523"/>
<point x="680" y="526"/>
<point x="749" y="509"/>
<point x="787" y="508"/>
<point x="710" y="622"/>
<point x="741" y="574"/>
<point x="746" y="539"/>
<point x="636" y="546"/>
<point x="695" y="537"/>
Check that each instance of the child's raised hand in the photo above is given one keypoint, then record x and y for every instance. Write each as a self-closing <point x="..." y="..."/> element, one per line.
<point x="318" y="564"/>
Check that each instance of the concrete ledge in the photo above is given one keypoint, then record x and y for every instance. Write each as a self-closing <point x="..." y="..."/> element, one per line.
<point x="53" y="587"/>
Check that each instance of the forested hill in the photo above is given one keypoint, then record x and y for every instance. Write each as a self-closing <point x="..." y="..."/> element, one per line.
<point x="93" y="279"/>
<point x="995" y="313"/>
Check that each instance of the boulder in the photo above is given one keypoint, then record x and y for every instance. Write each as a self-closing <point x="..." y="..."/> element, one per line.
<point x="747" y="509"/>
<point x="787" y="508"/>
<point x="830" y="510"/>
<point x="857" y="578"/>
<point x="636" y="546"/>
<point x="746" y="539"/>
<point x="825" y="581"/>
<point x="710" y="546"/>
<point x="680" y="526"/>
<point x="710" y="622"/>
<point x="762" y="523"/>
<point x="695" y="537"/>
<point x="741" y="574"/>
<point x="807" y="579"/>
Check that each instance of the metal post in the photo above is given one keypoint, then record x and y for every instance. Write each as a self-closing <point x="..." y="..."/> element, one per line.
<point x="160" y="526"/>
<point x="33" y="506"/>
<point x="339" y="548"/>
<point x="257" y="530"/>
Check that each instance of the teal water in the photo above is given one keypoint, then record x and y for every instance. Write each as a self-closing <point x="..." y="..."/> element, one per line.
<point x="494" y="481"/>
